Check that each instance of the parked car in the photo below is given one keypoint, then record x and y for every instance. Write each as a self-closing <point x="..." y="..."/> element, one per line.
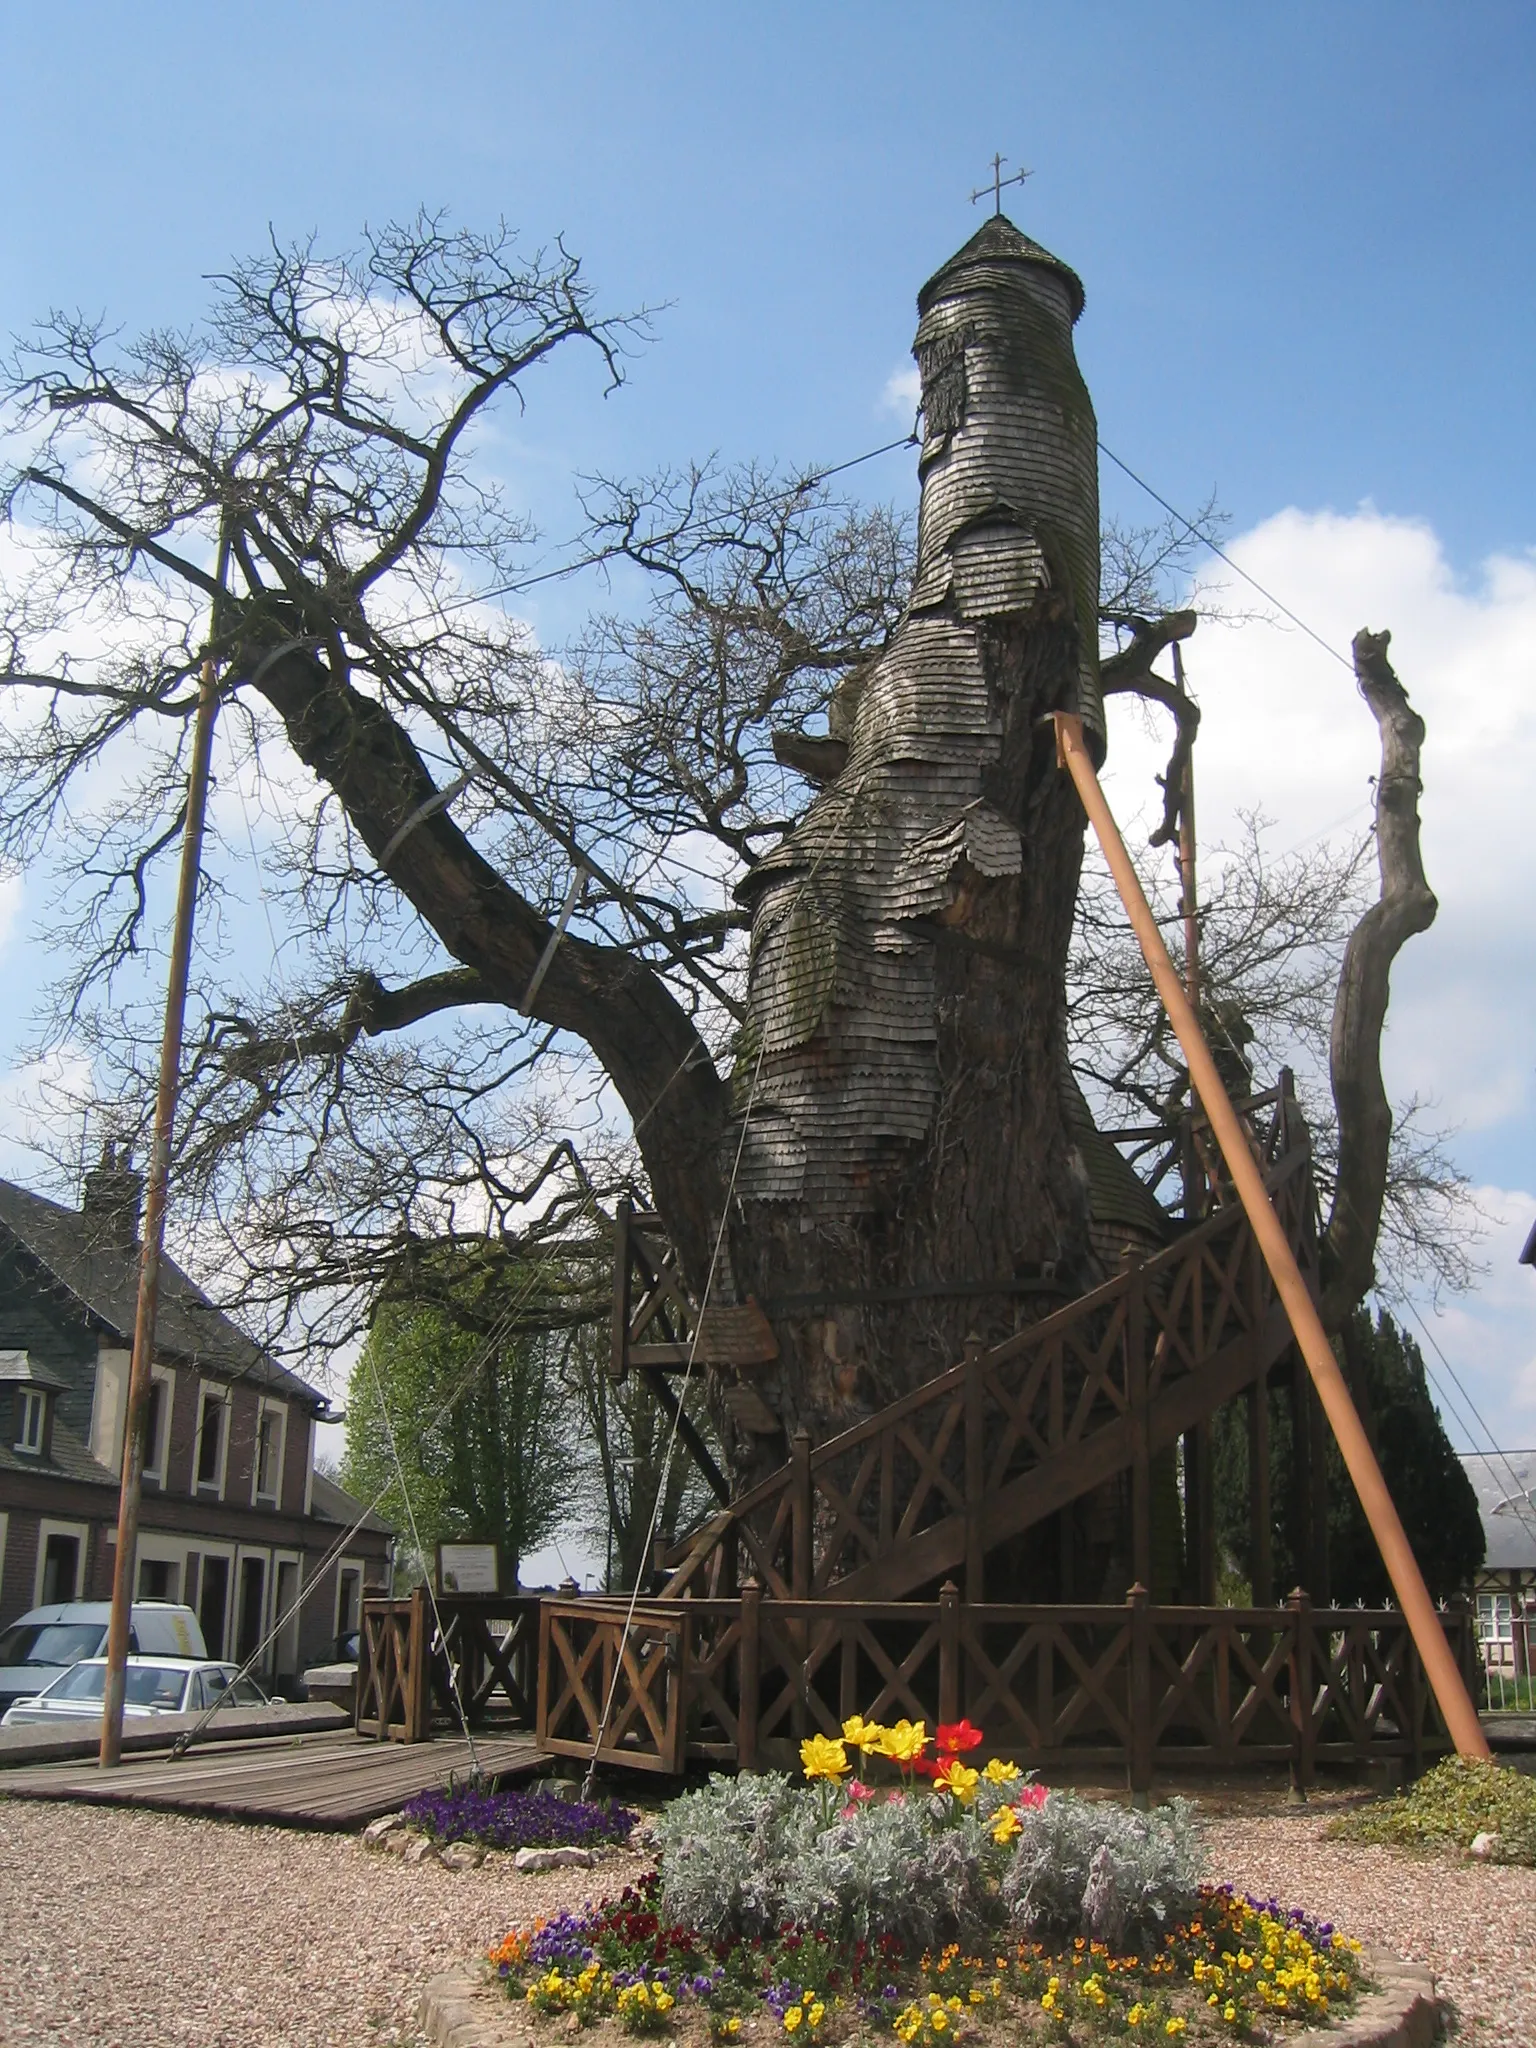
<point x="42" y="1645"/>
<point x="156" y="1685"/>
<point x="335" y="1682"/>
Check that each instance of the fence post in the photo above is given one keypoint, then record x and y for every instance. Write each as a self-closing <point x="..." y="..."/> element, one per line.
<point x="975" y="1471"/>
<point x="1303" y="1726"/>
<point x="1139" y="1697"/>
<point x="418" y="1706"/>
<point x="749" y="1664"/>
<point x="949" y="1651"/>
<point x="800" y="1514"/>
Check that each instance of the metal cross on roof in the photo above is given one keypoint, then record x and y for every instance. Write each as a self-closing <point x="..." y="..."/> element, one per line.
<point x="997" y="184"/>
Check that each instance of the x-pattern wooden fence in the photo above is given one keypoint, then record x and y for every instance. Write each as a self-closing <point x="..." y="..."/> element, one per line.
<point x="742" y="1682"/>
<point x="1012" y="1434"/>
<point x="474" y="1654"/>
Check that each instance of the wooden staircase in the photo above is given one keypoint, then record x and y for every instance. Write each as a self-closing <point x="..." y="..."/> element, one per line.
<point x="928" y="1486"/>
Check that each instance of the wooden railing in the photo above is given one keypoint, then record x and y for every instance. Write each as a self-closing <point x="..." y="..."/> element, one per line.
<point x="1140" y="1688"/>
<point x="411" y="1677"/>
<point x="1008" y="1436"/>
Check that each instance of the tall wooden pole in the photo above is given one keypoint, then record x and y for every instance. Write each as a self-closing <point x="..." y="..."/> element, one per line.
<point x="1380" y="1511"/>
<point x="154" y="1224"/>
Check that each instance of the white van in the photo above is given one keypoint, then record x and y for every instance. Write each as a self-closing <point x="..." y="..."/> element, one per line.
<point x="42" y="1645"/>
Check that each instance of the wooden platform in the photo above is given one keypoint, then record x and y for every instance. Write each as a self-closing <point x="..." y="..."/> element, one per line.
<point x="334" y="1780"/>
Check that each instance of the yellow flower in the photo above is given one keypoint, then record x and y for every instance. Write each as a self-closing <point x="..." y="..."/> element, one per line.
<point x="792" y="2019"/>
<point x="821" y="1757"/>
<point x="999" y="1773"/>
<point x="817" y="2013"/>
<point x="903" y="1741"/>
<point x="733" y="2024"/>
<point x="958" y="1778"/>
<point x="1229" y="2011"/>
<point x="864" y="1736"/>
<point x="1174" y="2026"/>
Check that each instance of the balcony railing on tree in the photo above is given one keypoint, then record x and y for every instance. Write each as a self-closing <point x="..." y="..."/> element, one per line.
<point x="1009" y="1435"/>
<point x="487" y="1645"/>
<point x="741" y="1682"/>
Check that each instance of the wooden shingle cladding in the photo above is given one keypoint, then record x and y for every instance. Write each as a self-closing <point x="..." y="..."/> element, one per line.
<point x="851" y="910"/>
<point x="68" y="1288"/>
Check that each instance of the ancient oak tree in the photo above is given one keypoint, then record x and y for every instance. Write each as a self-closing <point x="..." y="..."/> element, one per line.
<point x="794" y="819"/>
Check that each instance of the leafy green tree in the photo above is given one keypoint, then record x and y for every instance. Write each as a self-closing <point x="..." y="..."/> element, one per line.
<point x="1428" y="1483"/>
<point x="497" y="1469"/>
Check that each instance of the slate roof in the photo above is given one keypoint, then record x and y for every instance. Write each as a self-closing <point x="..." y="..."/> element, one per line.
<point x="332" y="1503"/>
<point x="1506" y="1499"/>
<point x="19" y="1368"/>
<point x="68" y="1458"/>
<point x="104" y="1278"/>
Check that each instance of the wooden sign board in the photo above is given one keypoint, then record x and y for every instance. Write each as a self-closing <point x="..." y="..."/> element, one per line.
<point x="468" y="1568"/>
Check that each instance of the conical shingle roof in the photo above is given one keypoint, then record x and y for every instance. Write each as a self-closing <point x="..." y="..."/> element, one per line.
<point x="999" y="241"/>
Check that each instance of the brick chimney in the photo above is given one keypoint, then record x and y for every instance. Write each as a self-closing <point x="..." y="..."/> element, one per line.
<point x="113" y="1201"/>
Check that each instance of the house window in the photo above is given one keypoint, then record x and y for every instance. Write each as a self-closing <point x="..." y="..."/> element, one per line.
<point x="213" y="1601"/>
<point x="251" y="1606"/>
<point x="159" y="1579"/>
<point x="61" y="1568"/>
<point x="269" y="1453"/>
<point x="349" y="1602"/>
<point x="212" y="1429"/>
<point x="29" y="1423"/>
<point x="157" y="1417"/>
<point x="1495" y="1617"/>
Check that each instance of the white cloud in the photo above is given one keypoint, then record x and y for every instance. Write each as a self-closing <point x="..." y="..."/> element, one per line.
<point x="1284" y="731"/>
<point x="902" y="393"/>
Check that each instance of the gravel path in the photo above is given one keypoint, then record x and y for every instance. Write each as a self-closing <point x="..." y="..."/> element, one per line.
<point x="1474" y="1924"/>
<point x="146" y="1929"/>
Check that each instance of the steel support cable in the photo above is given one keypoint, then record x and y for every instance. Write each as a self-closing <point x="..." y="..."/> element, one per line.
<point x="1221" y="554"/>
<point x="493" y="1337"/>
<point x="1519" y="1498"/>
<point x="666" y="1464"/>
<point x="839" y="832"/>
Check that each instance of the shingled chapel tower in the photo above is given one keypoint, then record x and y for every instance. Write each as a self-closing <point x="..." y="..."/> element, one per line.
<point x="913" y="1168"/>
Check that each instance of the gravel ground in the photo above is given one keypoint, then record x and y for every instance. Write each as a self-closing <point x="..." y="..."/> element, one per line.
<point x="145" y="1929"/>
<point x="1474" y="1924"/>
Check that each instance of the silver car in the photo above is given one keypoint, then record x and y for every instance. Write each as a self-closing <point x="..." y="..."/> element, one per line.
<point x="156" y="1685"/>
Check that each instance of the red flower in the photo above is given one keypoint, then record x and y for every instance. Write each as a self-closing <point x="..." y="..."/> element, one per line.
<point x="954" y="1737"/>
<point x="1031" y="1798"/>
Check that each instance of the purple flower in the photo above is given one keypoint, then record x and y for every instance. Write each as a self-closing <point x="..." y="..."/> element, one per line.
<point x="519" y="1819"/>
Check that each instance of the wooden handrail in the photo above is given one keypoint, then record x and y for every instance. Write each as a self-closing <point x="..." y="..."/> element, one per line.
<point x="688" y="1557"/>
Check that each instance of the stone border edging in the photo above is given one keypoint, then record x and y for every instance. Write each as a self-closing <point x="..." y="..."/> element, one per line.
<point x="463" y="2009"/>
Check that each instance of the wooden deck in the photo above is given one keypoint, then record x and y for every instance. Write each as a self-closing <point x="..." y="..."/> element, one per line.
<point x="334" y="1780"/>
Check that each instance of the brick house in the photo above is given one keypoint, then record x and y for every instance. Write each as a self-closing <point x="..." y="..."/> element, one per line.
<point x="235" y="1519"/>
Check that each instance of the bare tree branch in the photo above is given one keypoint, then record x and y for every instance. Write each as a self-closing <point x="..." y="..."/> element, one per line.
<point x="1405" y="905"/>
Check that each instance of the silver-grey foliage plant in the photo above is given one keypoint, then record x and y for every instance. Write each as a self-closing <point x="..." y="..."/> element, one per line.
<point x="1091" y="1867"/>
<point x="750" y="1855"/>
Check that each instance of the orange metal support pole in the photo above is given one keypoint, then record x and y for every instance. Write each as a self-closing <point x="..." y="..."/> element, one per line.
<point x="1397" y="1554"/>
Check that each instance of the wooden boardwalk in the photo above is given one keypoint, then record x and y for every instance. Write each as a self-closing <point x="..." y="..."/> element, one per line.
<point x="334" y="1780"/>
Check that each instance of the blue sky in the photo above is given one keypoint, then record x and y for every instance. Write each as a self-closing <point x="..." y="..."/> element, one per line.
<point x="1305" y="234"/>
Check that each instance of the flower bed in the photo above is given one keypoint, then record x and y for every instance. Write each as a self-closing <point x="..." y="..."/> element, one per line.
<point x="535" y="1819"/>
<point x="969" y="1906"/>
